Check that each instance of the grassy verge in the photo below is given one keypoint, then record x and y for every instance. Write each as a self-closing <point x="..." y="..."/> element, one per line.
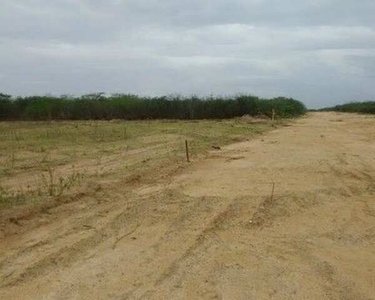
<point x="44" y="160"/>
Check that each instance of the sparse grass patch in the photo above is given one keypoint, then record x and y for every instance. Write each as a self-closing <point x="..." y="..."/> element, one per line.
<point x="55" y="185"/>
<point x="38" y="156"/>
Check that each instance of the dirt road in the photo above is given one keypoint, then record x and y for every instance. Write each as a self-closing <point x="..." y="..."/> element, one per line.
<point x="214" y="230"/>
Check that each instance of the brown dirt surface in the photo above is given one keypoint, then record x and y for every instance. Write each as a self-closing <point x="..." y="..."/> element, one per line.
<point x="213" y="229"/>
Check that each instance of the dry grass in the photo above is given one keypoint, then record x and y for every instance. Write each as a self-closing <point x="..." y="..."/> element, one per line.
<point x="39" y="160"/>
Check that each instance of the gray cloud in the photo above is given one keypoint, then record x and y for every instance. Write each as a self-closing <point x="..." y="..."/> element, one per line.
<point x="319" y="51"/>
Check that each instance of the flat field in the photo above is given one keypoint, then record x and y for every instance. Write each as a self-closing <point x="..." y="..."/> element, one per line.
<point x="44" y="164"/>
<point x="111" y="210"/>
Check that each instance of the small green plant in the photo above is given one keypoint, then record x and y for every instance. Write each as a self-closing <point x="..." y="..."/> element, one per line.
<point x="55" y="188"/>
<point x="65" y="184"/>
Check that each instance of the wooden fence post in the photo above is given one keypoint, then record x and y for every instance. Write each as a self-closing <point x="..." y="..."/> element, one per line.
<point x="273" y="190"/>
<point x="187" y="151"/>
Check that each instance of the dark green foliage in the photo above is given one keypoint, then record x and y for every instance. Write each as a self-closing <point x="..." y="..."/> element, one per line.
<point x="6" y="107"/>
<point x="367" y="107"/>
<point x="131" y="107"/>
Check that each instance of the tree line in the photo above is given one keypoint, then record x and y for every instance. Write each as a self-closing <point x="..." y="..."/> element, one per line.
<point x="367" y="107"/>
<point x="133" y="107"/>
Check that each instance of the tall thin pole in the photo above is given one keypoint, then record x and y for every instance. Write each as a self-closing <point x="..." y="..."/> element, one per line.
<point x="187" y="151"/>
<point x="273" y="190"/>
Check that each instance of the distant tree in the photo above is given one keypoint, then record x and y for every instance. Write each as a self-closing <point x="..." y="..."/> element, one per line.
<point x="5" y="96"/>
<point x="6" y="107"/>
<point x="93" y="96"/>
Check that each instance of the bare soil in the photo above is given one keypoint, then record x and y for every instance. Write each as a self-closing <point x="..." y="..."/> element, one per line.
<point x="215" y="229"/>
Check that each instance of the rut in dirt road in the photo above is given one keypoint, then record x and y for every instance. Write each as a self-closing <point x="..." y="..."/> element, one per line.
<point x="213" y="231"/>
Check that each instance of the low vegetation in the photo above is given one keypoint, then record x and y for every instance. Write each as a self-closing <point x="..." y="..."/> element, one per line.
<point x="132" y="107"/>
<point x="41" y="160"/>
<point x="367" y="107"/>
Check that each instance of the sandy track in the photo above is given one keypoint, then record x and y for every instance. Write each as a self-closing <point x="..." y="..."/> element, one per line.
<point x="213" y="231"/>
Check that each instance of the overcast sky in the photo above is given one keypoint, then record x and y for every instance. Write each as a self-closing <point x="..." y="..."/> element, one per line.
<point x="319" y="51"/>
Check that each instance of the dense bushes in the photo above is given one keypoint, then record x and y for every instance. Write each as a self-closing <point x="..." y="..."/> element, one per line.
<point x="130" y="107"/>
<point x="360" y="107"/>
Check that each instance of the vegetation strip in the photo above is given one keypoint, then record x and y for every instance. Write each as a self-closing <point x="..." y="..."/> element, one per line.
<point x="132" y="107"/>
<point x="367" y="107"/>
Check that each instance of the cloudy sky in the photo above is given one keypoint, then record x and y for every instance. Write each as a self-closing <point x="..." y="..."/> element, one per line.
<point x="319" y="51"/>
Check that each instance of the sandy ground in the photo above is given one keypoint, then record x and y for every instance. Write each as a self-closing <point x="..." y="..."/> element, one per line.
<point x="214" y="230"/>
